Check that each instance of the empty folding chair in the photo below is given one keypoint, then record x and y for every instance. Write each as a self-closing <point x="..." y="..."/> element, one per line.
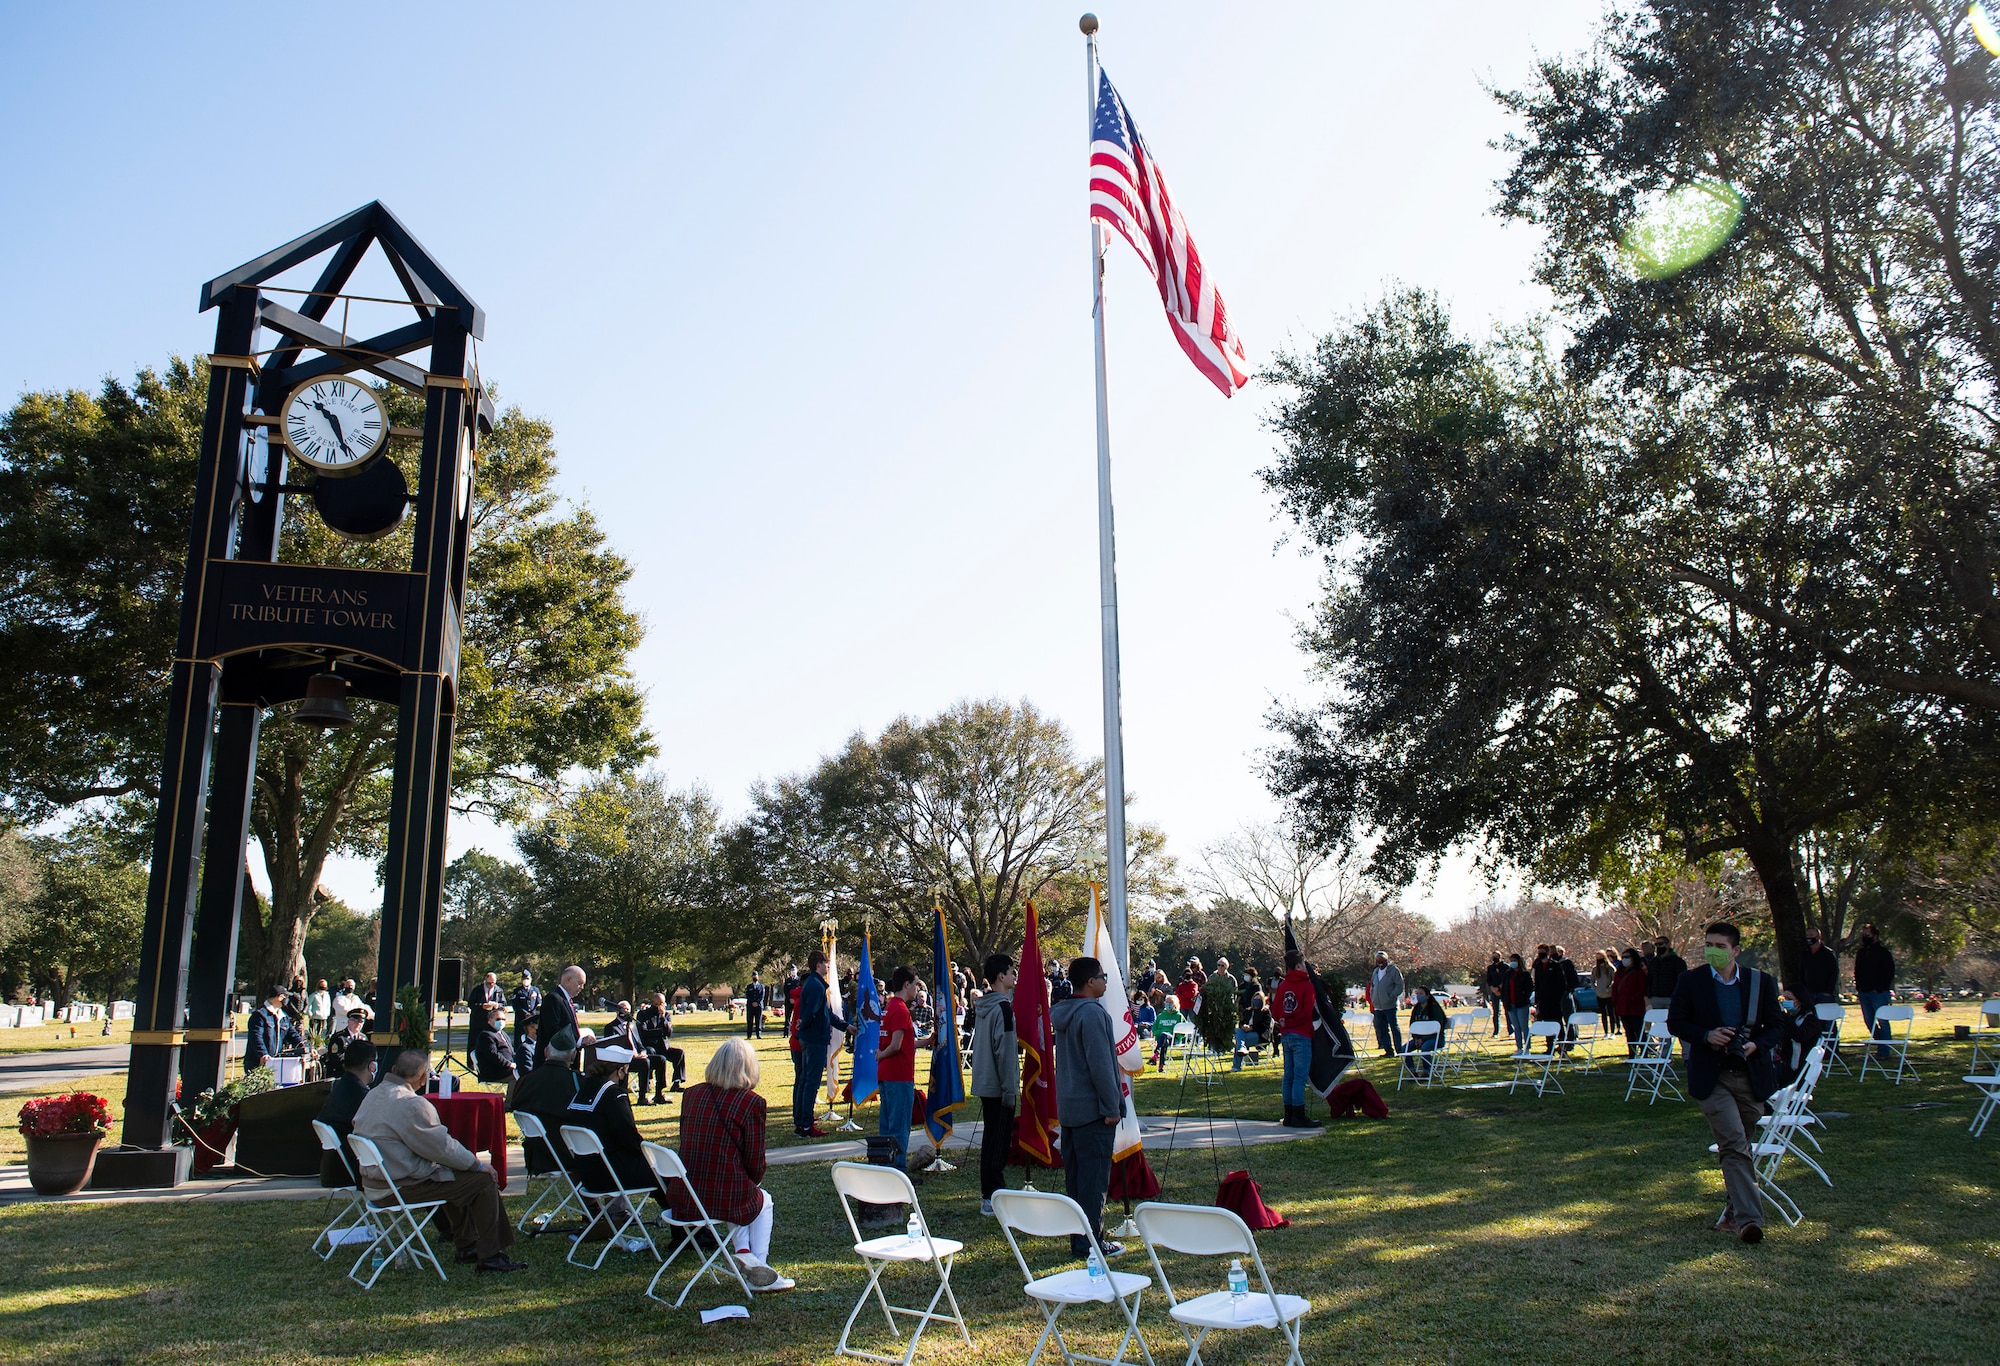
<point x="891" y="1186"/>
<point x="1414" y="1063"/>
<point x="534" y="1142"/>
<point x="1790" y="1111"/>
<point x="1044" y="1214"/>
<point x="1989" y="1090"/>
<point x="1832" y="1015"/>
<point x="1539" y="1069"/>
<point x="354" y="1210"/>
<point x="398" y="1224"/>
<point x="1986" y="1037"/>
<point x="1894" y="1022"/>
<point x="595" y="1180"/>
<point x="1207" y="1231"/>
<point x="667" y="1165"/>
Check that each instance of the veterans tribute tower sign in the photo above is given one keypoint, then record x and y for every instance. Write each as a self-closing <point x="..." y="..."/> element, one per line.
<point x="256" y="633"/>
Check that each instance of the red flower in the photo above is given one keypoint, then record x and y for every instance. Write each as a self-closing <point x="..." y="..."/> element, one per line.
<point x="62" y="1116"/>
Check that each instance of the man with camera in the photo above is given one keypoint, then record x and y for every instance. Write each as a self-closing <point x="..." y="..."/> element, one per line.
<point x="1729" y="1025"/>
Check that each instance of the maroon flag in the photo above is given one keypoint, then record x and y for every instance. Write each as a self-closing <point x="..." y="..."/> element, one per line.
<point x="1035" y="1124"/>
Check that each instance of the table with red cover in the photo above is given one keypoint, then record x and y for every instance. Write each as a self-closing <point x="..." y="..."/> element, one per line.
<point x="478" y="1119"/>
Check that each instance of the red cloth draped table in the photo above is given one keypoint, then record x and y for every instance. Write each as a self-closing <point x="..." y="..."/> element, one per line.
<point x="478" y="1119"/>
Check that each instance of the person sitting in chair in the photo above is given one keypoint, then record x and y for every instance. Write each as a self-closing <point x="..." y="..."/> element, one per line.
<point x="603" y="1107"/>
<point x="1424" y="1006"/>
<point x="350" y="1088"/>
<point x="492" y="1054"/>
<point x="722" y="1147"/>
<point x="654" y="1031"/>
<point x="272" y="1033"/>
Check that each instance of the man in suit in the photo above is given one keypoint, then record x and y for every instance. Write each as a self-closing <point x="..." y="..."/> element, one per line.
<point x="350" y="1088"/>
<point x="487" y="992"/>
<point x="272" y="1033"/>
<point x="818" y="1018"/>
<point x="559" y="1008"/>
<point x="754" y="996"/>
<point x="1730" y="1027"/>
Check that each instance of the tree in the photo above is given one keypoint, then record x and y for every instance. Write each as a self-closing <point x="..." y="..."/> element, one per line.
<point x="1517" y="926"/>
<point x="1265" y="875"/>
<point x="980" y="809"/>
<point x="485" y="901"/>
<point x="1506" y="670"/>
<point x="1854" y="313"/>
<point x="632" y="872"/>
<point x="83" y="925"/>
<point x="94" y="503"/>
<point x="342" y="943"/>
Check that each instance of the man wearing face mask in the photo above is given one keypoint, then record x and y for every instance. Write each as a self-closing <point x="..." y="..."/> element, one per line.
<point x="1517" y="995"/>
<point x="1874" y="977"/>
<point x="350" y="1088"/>
<point x="1729" y="1024"/>
<point x="1628" y="999"/>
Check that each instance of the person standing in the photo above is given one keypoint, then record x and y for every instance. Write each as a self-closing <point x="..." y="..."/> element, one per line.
<point x="1517" y="995"/>
<point x="272" y="1032"/>
<point x="1874" y="980"/>
<point x="1663" y="974"/>
<point x="1089" y="1098"/>
<point x="896" y="1062"/>
<point x="789" y="1000"/>
<point x="527" y="1002"/>
<point x="1385" y="995"/>
<point x="1603" y="976"/>
<point x="996" y="1073"/>
<point x="1552" y="1001"/>
<point x="337" y="1043"/>
<point x="1496" y="978"/>
<point x="1294" y="1009"/>
<point x="488" y="993"/>
<point x="817" y="1021"/>
<point x="1222" y="999"/>
<point x="753" y="1007"/>
<point x="1821" y="982"/>
<point x="1059" y="985"/>
<point x="559" y="1009"/>
<point x="1729" y="1025"/>
<point x="1628" y="1000"/>
<point x="319" y="1013"/>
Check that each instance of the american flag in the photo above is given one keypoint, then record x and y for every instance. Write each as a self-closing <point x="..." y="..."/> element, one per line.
<point x="1128" y="192"/>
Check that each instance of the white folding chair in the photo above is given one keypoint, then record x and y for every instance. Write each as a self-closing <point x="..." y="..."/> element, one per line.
<point x="558" y="1182"/>
<point x="1581" y="1052"/>
<point x="1415" y="1064"/>
<point x="1044" y="1214"/>
<point x="1894" y="1042"/>
<point x="1539" y="1069"/>
<point x="1832" y="1015"/>
<point x="854" y="1181"/>
<point x="399" y="1225"/>
<point x="1208" y="1231"/>
<point x="1791" y="1110"/>
<point x="667" y="1166"/>
<point x="1195" y="1057"/>
<point x="588" y="1151"/>
<point x="1989" y="1089"/>
<point x="354" y="1213"/>
<point x="1986" y="1035"/>
<point x="1652" y="1067"/>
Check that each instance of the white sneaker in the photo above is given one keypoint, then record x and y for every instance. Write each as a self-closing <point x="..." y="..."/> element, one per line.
<point x="986" y="1208"/>
<point x="760" y="1276"/>
<point x="777" y="1283"/>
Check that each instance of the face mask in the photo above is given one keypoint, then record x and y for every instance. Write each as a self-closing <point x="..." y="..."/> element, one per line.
<point x="1631" y="962"/>
<point x="1517" y="965"/>
<point x="1717" y="956"/>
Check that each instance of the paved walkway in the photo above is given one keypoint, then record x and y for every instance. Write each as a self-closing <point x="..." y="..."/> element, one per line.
<point x="1159" y="1134"/>
<point x="29" y="1071"/>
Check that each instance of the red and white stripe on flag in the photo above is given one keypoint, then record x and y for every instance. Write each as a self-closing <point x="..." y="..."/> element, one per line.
<point x="1129" y="194"/>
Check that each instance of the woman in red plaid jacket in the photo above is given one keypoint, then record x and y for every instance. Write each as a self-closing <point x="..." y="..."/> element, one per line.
<point x="722" y="1146"/>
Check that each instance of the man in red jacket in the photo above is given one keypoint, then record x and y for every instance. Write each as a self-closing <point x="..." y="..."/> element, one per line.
<point x="1296" y="1008"/>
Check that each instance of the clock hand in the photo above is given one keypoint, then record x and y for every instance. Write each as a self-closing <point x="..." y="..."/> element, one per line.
<point x="334" y="422"/>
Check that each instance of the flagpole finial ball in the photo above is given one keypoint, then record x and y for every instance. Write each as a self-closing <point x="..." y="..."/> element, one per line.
<point x="1088" y="23"/>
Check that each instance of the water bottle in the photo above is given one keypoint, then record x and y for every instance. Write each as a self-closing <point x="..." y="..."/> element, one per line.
<point x="1096" y="1267"/>
<point x="1239" y="1285"/>
<point x="375" y="1262"/>
<point x="916" y="1228"/>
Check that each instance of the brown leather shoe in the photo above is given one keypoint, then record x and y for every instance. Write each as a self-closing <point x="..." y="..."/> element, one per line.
<point x="1752" y="1233"/>
<point x="501" y="1263"/>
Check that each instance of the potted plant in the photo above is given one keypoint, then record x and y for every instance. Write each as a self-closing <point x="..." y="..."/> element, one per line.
<point x="211" y="1119"/>
<point x="62" y="1134"/>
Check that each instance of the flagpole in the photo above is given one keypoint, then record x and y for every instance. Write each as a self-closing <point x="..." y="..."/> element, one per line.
<point x="1107" y="559"/>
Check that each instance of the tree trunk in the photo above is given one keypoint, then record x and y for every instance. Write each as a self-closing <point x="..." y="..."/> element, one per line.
<point x="1778" y="871"/>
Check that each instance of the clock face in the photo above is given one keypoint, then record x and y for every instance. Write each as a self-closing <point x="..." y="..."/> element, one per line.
<point x="335" y="424"/>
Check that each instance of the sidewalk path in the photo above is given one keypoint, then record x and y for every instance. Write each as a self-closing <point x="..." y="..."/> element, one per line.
<point x="29" y="1071"/>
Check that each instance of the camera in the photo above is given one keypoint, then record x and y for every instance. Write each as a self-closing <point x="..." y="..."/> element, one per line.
<point x="1738" y="1045"/>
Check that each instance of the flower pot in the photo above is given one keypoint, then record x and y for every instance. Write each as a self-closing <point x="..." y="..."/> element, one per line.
<point x="61" y="1165"/>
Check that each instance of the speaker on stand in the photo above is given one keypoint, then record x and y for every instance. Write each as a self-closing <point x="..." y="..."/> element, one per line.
<point x="451" y="994"/>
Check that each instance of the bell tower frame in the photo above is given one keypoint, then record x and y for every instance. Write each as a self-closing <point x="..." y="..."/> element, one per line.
<point x="231" y="665"/>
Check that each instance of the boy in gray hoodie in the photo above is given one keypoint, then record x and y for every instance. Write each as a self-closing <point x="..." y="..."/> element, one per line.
<point x="1089" y="1099"/>
<point x="996" y="1073"/>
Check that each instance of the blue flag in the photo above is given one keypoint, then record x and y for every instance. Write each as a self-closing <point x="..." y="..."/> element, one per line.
<point x="947" y="1094"/>
<point x="867" y="1023"/>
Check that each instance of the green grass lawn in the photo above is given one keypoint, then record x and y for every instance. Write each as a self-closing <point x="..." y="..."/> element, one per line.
<point x="1469" y="1226"/>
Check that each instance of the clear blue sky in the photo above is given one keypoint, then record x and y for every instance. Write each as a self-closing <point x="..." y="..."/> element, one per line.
<point x="804" y="291"/>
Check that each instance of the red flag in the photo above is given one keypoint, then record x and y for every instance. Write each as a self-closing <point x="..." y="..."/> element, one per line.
<point x="1035" y="1124"/>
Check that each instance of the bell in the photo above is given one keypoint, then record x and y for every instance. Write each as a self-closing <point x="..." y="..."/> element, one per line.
<point x="326" y="703"/>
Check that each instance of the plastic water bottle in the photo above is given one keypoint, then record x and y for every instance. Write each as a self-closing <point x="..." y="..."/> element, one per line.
<point x="1239" y="1285"/>
<point x="375" y="1262"/>
<point x="1096" y="1268"/>
<point x="916" y="1228"/>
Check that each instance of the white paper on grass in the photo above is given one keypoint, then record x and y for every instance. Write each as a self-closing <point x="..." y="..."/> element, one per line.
<point x="724" y="1311"/>
<point x="359" y="1233"/>
<point x="1126" y="1044"/>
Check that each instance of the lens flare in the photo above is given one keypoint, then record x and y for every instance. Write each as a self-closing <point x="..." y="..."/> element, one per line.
<point x="1982" y="28"/>
<point x="1683" y="227"/>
